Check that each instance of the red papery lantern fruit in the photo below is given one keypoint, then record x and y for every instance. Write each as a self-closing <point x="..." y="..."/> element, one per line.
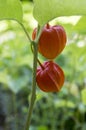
<point x="50" y="77"/>
<point x="52" y="40"/>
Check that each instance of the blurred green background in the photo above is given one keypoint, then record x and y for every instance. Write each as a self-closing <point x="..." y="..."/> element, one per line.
<point x="65" y="110"/>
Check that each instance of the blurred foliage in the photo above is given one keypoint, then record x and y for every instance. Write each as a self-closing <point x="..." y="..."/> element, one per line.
<point x="65" y="110"/>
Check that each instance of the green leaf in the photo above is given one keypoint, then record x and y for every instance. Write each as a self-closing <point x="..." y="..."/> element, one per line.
<point x="42" y="128"/>
<point x="11" y="9"/>
<point x="3" y="77"/>
<point x="80" y="27"/>
<point x="46" y="10"/>
<point x="83" y="94"/>
<point x="15" y="85"/>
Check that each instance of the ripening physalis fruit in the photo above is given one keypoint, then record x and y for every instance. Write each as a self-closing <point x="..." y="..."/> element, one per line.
<point x="49" y="77"/>
<point x="52" y="40"/>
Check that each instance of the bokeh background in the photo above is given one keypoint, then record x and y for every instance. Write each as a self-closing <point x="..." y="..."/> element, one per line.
<point x="65" y="110"/>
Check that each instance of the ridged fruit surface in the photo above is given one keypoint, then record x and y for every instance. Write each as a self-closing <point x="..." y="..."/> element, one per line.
<point x="50" y="77"/>
<point x="52" y="40"/>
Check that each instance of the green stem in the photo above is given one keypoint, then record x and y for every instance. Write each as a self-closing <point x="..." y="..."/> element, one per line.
<point x="15" y="110"/>
<point x="23" y="27"/>
<point x="33" y="96"/>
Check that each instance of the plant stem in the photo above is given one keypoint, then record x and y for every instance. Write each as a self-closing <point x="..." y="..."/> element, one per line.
<point x="35" y="56"/>
<point x="33" y="95"/>
<point x="23" y="27"/>
<point x="15" y="110"/>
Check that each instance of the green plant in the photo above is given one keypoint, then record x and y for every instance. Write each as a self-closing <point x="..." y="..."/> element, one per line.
<point x="12" y="10"/>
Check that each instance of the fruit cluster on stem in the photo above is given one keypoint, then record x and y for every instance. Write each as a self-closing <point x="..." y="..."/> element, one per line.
<point x="52" y="41"/>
